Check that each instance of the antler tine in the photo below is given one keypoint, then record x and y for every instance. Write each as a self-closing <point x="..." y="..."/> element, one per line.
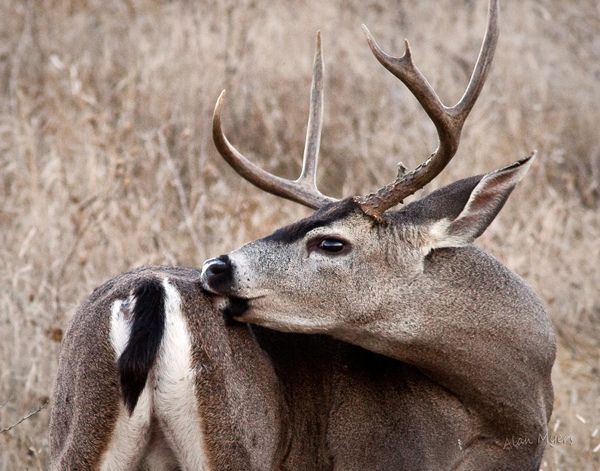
<point x="304" y="189"/>
<point x="405" y="69"/>
<point x="447" y="120"/>
<point x="482" y="66"/>
<point x="315" y="122"/>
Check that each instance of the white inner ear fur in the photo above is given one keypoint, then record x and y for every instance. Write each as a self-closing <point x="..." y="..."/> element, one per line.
<point x="440" y="234"/>
<point x="437" y="236"/>
<point x="486" y="185"/>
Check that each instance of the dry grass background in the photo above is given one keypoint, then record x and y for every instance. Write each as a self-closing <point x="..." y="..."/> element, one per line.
<point x="106" y="159"/>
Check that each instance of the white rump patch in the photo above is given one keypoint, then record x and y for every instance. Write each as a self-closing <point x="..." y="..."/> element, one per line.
<point x="120" y="323"/>
<point x="175" y="391"/>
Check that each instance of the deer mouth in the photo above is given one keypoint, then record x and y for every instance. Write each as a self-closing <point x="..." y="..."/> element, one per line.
<point x="236" y="307"/>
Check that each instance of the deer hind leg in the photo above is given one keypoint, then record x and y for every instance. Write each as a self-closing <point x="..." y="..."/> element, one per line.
<point x="159" y="456"/>
<point x="130" y="437"/>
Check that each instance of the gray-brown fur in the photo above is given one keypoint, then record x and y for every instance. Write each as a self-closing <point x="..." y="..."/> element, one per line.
<point x="413" y="288"/>
<point x="87" y="383"/>
<point x="268" y="400"/>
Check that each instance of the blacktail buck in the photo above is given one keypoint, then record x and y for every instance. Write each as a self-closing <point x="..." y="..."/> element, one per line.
<point x="151" y="376"/>
<point x="407" y="283"/>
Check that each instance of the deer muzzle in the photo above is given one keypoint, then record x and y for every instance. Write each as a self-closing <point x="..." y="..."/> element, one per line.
<point x="217" y="275"/>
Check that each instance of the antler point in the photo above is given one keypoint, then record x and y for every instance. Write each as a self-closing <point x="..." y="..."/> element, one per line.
<point x="407" y="49"/>
<point x="532" y="155"/>
<point x="401" y="169"/>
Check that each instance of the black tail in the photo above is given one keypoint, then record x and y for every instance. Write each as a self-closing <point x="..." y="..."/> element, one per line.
<point x="147" y="330"/>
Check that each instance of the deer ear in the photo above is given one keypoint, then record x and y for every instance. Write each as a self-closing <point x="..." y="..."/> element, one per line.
<point x="484" y="202"/>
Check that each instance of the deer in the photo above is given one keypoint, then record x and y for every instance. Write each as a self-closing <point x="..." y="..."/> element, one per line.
<point x="407" y="282"/>
<point x="153" y="376"/>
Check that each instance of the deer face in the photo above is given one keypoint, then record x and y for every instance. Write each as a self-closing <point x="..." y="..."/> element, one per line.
<point x="323" y="271"/>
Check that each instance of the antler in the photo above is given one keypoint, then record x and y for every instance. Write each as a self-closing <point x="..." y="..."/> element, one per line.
<point x="304" y="189"/>
<point x="448" y="121"/>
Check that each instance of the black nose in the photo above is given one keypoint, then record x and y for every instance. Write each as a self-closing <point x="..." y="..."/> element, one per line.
<point x="218" y="274"/>
<point x="218" y="266"/>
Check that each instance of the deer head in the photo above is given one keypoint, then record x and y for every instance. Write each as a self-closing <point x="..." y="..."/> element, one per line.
<point x="403" y="282"/>
<point x="360" y="247"/>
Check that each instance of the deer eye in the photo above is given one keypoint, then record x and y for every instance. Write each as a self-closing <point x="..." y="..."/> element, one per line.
<point x="328" y="245"/>
<point x="332" y="246"/>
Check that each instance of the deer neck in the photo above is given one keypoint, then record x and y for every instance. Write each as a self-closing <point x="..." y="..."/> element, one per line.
<point x="455" y="325"/>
